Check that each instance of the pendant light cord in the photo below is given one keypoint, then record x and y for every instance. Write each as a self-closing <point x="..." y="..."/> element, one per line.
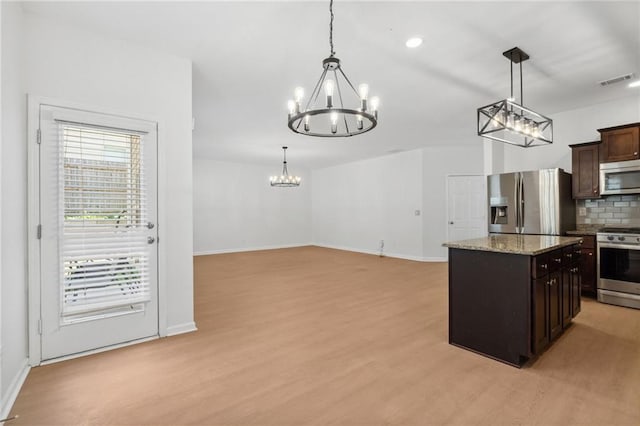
<point x="331" y="28"/>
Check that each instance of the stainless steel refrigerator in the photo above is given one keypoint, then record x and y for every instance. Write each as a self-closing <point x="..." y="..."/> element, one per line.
<point x="536" y="202"/>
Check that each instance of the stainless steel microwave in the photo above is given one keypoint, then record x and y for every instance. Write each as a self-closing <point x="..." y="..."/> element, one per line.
<point x="620" y="178"/>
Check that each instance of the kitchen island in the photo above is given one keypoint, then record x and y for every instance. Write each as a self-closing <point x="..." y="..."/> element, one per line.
<point x="511" y="295"/>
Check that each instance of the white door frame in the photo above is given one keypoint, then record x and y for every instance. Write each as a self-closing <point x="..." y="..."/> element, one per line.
<point x="33" y="215"/>
<point x="446" y="219"/>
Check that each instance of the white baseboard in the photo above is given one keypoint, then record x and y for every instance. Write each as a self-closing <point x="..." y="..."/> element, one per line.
<point x="187" y="327"/>
<point x="435" y="259"/>
<point x="238" y="250"/>
<point x="377" y="253"/>
<point x="357" y="250"/>
<point x="14" y="389"/>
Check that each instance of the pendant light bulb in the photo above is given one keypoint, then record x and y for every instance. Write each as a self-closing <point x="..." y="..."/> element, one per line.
<point x="518" y="124"/>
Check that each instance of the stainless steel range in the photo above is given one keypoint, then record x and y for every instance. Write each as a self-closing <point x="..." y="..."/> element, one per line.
<point x="619" y="266"/>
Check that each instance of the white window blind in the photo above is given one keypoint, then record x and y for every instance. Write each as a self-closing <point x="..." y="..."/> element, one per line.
<point x="104" y="250"/>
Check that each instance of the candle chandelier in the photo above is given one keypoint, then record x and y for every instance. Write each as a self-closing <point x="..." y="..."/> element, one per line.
<point x="285" y="180"/>
<point x="510" y="122"/>
<point x="327" y="116"/>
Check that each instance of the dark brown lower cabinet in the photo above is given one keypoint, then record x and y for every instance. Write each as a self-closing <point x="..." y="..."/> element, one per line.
<point x="556" y="299"/>
<point x="540" y="314"/>
<point x="510" y="307"/>
<point x="567" y="300"/>
<point x="576" y="289"/>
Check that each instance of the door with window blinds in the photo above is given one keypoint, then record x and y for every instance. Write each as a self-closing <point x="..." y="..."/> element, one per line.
<point x="98" y="210"/>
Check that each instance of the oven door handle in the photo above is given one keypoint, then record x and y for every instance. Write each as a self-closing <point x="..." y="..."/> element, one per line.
<point x="619" y="246"/>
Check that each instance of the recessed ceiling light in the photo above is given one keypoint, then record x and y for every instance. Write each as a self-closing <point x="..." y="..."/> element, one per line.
<point x="635" y="84"/>
<point x="414" y="42"/>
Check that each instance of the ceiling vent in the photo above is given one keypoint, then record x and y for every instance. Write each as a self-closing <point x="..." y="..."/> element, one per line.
<point x="616" y="79"/>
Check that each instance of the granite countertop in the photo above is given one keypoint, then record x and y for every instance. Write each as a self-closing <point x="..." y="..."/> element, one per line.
<point x="584" y="229"/>
<point x="529" y="245"/>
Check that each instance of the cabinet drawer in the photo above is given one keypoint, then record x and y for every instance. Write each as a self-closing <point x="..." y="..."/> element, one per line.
<point x="570" y="254"/>
<point x="540" y="265"/>
<point x="588" y="241"/>
<point x="555" y="260"/>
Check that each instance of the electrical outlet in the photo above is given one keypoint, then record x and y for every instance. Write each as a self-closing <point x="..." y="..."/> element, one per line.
<point x="582" y="211"/>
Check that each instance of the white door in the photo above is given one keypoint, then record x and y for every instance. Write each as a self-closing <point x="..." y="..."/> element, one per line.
<point x="98" y="210"/>
<point x="466" y="207"/>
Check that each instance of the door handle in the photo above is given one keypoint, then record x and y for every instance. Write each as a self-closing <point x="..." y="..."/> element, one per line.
<point x="150" y="225"/>
<point x="151" y="240"/>
<point x="450" y="223"/>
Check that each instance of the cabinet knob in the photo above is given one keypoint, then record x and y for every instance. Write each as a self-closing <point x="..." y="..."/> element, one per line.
<point x="635" y="153"/>
<point x="595" y="191"/>
<point x="590" y="254"/>
<point x="543" y="266"/>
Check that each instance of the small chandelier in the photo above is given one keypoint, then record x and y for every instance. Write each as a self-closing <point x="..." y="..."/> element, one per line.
<point x="285" y="180"/>
<point x="509" y="122"/>
<point x="327" y="116"/>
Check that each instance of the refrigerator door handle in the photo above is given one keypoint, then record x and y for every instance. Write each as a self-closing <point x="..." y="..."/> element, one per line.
<point x="522" y="204"/>
<point x="516" y="201"/>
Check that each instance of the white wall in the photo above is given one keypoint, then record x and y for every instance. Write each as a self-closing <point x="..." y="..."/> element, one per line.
<point x="55" y="61"/>
<point x="13" y="319"/>
<point x="570" y="127"/>
<point x="438" y="163"/>
<point x="235" y="208"/>
<point x="2" y="409"/>
<point x="356" y="205"/>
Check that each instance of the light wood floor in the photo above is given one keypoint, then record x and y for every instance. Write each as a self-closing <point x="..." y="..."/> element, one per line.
<point x="317" y="336"/>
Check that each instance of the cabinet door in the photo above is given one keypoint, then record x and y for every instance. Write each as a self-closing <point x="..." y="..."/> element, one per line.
<point x="576" y="288"/>
<point x="588" y="270"/>
<point x="585" y="167"/>
<point x="565" y="295"/>
<point x="540" y="314"/>
<point x="555" y="304"/>
<point x="620" y="145"/>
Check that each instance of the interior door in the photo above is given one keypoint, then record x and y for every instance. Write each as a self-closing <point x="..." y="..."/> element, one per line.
<point x="98" y="210"/>
<point x="467" y="201"/>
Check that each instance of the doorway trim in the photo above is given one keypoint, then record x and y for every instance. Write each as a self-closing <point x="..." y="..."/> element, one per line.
<point x="33" y="215"/>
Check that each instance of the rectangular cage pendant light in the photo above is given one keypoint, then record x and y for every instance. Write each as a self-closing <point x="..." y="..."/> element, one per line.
<point x="510" y="122"/>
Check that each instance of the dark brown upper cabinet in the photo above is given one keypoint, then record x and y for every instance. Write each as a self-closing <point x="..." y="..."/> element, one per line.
<point x="620" y="143"/>
<point x="585" y="166"/>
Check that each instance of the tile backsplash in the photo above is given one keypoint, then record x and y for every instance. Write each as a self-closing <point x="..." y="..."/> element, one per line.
<point x="610" y="210"/>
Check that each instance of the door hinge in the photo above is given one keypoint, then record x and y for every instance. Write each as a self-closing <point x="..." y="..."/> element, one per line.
<point x="39" y="137"/>
<point x="39" y="325"/>
<point x="39" y="232"/>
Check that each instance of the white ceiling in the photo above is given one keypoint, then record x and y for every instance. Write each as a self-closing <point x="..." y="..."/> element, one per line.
<point x="249" y="56"/>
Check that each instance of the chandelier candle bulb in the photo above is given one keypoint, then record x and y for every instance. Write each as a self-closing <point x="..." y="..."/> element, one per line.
<point x="363" y="91"/>
<point x="291" y="105"/>
<point x="375" y="103"/>
<point x="360" y="123"/>
<point x="306" y="123"/>
<point x="334" y="122"/>
<point x="328" y="90"/>
<point x="299" y="94"/>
